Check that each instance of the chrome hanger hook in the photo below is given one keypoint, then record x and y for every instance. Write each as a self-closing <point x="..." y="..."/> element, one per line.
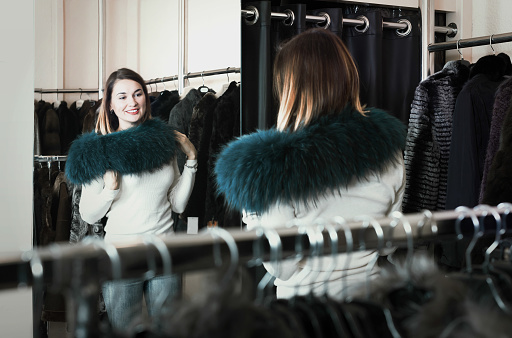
<point x="486" y="209"/>
<point x="398" y="217"/>
<point x="111" y="251"/>
<point x="458" y="50"/>
<point x="428" y="217"/>
<point x="276" y="252"/>
<point x="490" y="44"/>
<point x="340" y="222"/>
<point x="217" y="232"/>
<point x="227" y="73"/>
<point x="463" y="213"/>
<point x="367" y="221"/>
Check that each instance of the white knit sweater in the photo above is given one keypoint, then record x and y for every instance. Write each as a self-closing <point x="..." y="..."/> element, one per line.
<point x="143" y="204"/>
<point x="377" y="195"/>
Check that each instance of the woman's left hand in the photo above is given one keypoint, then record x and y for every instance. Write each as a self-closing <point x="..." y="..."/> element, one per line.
<point x="186" y="146"/>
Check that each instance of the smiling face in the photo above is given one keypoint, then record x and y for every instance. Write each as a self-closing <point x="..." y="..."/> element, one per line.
<point x="128" y="103"/>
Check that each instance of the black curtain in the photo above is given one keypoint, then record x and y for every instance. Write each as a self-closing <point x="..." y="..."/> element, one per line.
<point x="389" y="64"/>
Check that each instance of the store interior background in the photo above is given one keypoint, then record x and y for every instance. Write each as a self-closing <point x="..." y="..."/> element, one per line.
<point x="53" y="44"/>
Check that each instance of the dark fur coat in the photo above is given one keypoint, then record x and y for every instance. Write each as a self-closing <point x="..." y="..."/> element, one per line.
<point x="427" y="150"/>
<point x="499" y="179"/>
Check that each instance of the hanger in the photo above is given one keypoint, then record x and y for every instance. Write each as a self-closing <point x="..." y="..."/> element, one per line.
<point x="217" y="232"/>
<point x="203" y="89"/>
<point x="474" y="277"/>
<point x="462" y="61"/>
<point x="275" y="257"/>
<point x="490" y="44"/>
<point x="80" y="102"/>
<point x="57" y="102"/>
<point x="278" y="308"/>
<point x="380" y="316"/>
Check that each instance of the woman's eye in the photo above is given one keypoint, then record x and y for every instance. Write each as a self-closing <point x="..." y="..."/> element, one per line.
<point x="122" y="97"/>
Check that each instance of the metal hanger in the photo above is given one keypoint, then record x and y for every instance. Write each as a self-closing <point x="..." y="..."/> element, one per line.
<point x="217" y="232"/>
<point x="276" y="253"/>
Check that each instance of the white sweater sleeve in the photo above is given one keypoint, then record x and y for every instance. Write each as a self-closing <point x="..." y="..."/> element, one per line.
<point x="95" y="200"/>
<point x="181" y="188"/>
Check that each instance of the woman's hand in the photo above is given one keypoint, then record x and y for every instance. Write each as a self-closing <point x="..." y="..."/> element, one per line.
<point x="111" y="179"/>
<point x="186" y="146"/>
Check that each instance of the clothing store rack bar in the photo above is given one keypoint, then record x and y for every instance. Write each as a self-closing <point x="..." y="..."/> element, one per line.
<point x="471" y="42"/>
<point x="252" y="14"/>
<point x="196" y="252"/>
<point x="196" y="74"/>
<point x="65" y="91"/>
<point x="52" y="158"/>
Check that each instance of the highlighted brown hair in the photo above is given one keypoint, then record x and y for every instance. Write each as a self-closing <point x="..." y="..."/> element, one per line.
<point x="314" y="75"/>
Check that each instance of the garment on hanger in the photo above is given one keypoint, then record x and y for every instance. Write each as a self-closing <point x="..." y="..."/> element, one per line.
<point x="200" y="133"/>
<point x="225" y="127"/>
<point x="500" y="110"/>
<point x="499" y="179"/>
<point x="179" y="118"/>
<point x="427" y="148"/>
<point x="470" y="131"/>
<point x="162" y="106"/>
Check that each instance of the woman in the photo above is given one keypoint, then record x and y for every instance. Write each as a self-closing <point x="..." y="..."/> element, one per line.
<point x="327" y="156"/>
<point x="129" y="174"/>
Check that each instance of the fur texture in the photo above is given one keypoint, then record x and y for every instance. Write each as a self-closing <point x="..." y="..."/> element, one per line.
<point x="144" y="148"/>
<point x="266" y="167"/>
<point x="429" y="135"/>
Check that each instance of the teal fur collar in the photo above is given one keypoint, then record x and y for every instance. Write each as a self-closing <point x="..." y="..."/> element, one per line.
<point x="144" y="148"/>
<point x="260" y="169"/>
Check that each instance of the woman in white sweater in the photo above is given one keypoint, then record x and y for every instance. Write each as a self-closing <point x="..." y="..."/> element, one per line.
<point x="328" y="156"/>
<point x="129" y="173"/>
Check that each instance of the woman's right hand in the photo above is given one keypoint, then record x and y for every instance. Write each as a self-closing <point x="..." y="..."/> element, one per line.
<point x="111" y="179"/>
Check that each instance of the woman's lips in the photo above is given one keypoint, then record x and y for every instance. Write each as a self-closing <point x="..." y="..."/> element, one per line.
<point x="132" y="111"/>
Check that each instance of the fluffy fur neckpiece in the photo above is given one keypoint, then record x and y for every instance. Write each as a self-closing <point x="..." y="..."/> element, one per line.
<point x="260" y="169"/>
<point x="144" y="148"/>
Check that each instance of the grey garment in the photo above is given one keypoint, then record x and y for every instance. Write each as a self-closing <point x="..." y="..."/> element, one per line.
<point x="427" y="148"/>
<point x="79" y="228"/>
<point x="180" y="116"/>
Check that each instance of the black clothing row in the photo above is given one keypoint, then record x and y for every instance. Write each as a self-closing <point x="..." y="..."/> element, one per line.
<point x="56" y="125"/>
<point x="210" y="121"/>
<point x="449" y="133"/>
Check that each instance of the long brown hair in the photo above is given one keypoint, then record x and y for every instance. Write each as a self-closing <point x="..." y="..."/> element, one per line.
<point x="108" y="123"/>
<point x="314" y="75"/>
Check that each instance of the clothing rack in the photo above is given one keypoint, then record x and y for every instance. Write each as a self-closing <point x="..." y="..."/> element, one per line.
<point x="48" y="159"/>
<point x="471" y="42"/>
<point x="196" y="252"/>
<point x="65" y="91"/>
<point x="151" y="81"/>
<point x="194" y="75"/>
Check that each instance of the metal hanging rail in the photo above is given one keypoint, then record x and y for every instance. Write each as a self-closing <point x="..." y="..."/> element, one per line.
<point x="191" y="253"/>
<point x="66" y="91"/>
<point x="471" y="42"/>
<point x="51" y="158"/>
<point x="196" y="74"/>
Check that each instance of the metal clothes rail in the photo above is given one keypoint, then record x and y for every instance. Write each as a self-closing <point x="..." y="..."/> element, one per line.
<point x="470" y="42"/>
<point x="227" y="70"/>
<point x="196" y="74"/>
<point x="196" y="252"/>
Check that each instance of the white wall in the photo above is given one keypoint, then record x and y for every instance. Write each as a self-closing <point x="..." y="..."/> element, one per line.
<point x="16" y="146"/>
<point x="141" y="35"/>
<point x="491" y="17"/>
